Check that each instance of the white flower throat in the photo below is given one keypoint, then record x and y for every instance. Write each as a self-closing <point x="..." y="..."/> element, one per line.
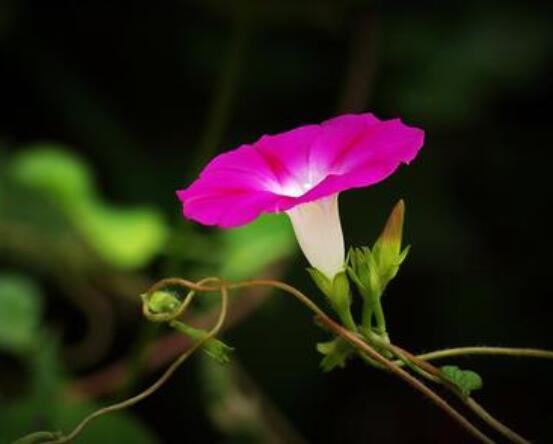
<point x="319" y="233"/>
<point x="298" y="185"/>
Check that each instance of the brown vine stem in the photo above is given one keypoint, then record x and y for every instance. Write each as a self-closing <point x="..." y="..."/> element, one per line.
<point x="483" y="350"/>
<point x="222" y="288"/>
<point x="339" y="330"/>
<point x="435" y="376"/>
<point x="217" y="285"/>
<point x="353" y="339"/>
<point x="407" y="377"/>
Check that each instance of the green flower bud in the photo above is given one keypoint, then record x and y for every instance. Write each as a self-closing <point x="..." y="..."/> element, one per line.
<point x="372" y="269"/>
<point x="163" y="302"/>
<point x="387" y="249"/>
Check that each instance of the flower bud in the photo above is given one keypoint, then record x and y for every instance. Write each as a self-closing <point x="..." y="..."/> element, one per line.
<point x="163" y="302"/>
<point x="387" y="249"/>
<point x="372" y="270"/>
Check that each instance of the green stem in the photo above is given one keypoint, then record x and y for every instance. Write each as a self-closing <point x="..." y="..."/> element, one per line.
<point x="379" y="318"/>
<point x="367" y="315"/>
<point x="348" y="321"/>
<point x="493" y="351"/>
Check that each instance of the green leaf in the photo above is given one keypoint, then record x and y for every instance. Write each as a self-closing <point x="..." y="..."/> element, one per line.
<point x="336" y="353"/>
<point x="20" y="312"/>
<point x="213" y="347"/>
<point x="248" y="250"/>
<point x="465" y="380"/>
<point x="55" y="170"/>
<point x="126" y="238"/>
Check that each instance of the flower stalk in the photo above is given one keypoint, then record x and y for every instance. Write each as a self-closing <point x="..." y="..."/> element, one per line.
<point x="371" y="270"/>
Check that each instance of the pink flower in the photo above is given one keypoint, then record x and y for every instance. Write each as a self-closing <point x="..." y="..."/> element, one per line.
<point x="301" y="172"/>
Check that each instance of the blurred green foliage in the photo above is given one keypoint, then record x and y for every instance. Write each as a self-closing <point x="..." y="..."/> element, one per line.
<point x="20" y="313"/>
<point x="125" y="238"/>
<point x="248" y="250"/>
<point x="43" y="405"/>
<point x="62" y="183"/>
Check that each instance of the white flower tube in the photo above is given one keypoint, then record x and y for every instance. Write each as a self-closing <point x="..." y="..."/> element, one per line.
<point x="319" y="233"/>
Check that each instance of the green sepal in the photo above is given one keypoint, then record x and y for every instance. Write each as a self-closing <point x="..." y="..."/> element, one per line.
<point x="465" y="380"/>
<point x="164" y="302"/>
<point x="362" y="270"/>
<point x="338" y="293"/>
<point x="213" y="347"/>
<point x="336" y="353"/>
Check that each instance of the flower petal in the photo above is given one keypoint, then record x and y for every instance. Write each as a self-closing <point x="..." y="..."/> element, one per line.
<point x="281" y="171"/>
<point x="212" y="202"/>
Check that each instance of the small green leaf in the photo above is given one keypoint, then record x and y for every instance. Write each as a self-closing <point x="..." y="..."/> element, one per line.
<point x="465" y="380"/>
<point x="213" y="347"/>
<point x="336" y="353"/>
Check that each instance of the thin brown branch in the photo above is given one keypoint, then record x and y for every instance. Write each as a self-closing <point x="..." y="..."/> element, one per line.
<point x="113" y="377"/>
<point x="407" y="377"/>
<point x="476" y="408"/>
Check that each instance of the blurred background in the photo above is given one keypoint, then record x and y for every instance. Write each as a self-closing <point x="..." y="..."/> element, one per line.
<point x="107" y="108"/>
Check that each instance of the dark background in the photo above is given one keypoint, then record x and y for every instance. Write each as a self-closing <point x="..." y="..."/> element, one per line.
<point x="147" y="92"/>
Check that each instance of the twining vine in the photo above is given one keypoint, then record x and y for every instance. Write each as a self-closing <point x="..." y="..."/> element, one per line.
<point x="160" y="304"/>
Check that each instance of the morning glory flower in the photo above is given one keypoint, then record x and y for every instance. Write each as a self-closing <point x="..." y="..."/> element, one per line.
<point x="301" y="172"/>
